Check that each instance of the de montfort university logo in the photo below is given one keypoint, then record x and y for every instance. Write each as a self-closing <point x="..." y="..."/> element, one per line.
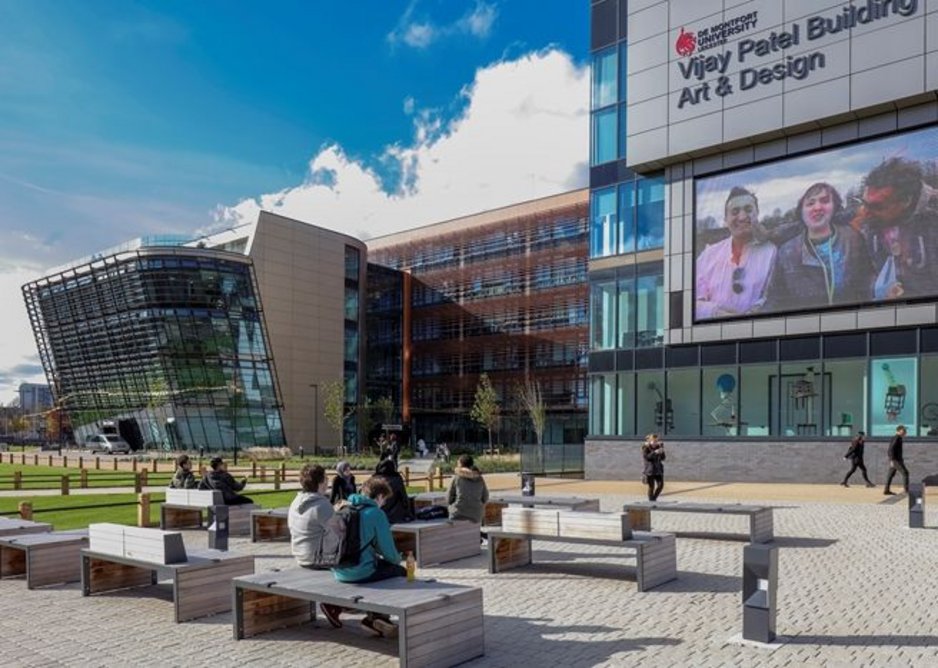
<point x="686" y="43"/>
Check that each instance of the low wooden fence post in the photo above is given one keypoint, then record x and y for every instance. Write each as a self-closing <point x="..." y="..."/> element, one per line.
<point x="50" y="460"/>
<point x="26" y="510"/>
<point x="276" y="479"/>
<point x="17" y="480"/>
<point x="144" y="477"/>
<point x="64" y="461"/>
<point x="253" y="469"/>
<point x="65" y="485"/>
<point x="429" y="481"/>
<point x="137" y="486"/>
<point x="81" y="462"/>
<point x="143" y="510"/>
<point x="406" y="476"/>
<point x="263" y="473"/>
<point x="84" y="478"/>
<point x="134" y="465"/>
<point x="97" y="463"/>
<point x="115" y="463"/>
<point x="22" y="459"/>
<point x="439" y="472"/>
<point x="35" y="460"/>
<point x="155" y="467"/>
<point x="283" y="471"/>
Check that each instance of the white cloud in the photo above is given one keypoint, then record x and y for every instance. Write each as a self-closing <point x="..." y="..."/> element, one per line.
<point x="523" y="134"/>
<point x="421" y="33"/>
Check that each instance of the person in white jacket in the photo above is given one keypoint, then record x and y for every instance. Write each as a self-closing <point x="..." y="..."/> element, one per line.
<point x="309" y="515"/>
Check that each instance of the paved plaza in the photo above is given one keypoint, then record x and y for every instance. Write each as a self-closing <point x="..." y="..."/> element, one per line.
<point x="856" y="587"/>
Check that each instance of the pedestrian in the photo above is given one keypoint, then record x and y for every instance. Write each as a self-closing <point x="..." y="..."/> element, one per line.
<point x="896" y="462"/>
<point x="653" y="454"/>
<point x="855" y="455"/>
<point x="421" y="448"/>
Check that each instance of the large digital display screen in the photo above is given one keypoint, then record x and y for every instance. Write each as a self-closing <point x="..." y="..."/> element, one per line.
<point x="845" y="226"/>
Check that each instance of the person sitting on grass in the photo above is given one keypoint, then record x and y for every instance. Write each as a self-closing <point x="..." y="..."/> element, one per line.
<point x="219" y="480"/>
<point x="184" y="478"/>
<point x="379" y="559"/>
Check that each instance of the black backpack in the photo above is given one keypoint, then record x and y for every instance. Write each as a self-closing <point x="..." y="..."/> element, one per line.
<point x="345" y="550"/>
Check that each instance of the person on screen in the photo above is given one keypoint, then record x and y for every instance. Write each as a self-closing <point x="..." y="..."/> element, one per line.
<point x="732" y="274"/>
<point x="898" y="213"/>
<point x="827" y="263"/>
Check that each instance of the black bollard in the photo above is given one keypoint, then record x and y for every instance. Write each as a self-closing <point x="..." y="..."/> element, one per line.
<point x="916" y="505"/>
<point x="218" y="529"/>
<point x="760" y="588"/>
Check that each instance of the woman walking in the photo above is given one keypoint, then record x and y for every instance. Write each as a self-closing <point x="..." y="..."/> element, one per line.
<point x="653" y="454"/>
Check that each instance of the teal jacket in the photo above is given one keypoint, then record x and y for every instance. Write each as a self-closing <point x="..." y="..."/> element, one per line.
<point x="376" y="539"/>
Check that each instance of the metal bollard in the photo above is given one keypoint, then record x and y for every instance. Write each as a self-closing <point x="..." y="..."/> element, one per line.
<point x="916" y="505"/>
<point x="760" y="588"/>
<point x="527" y="484"/>
<point x="218" y="529"/>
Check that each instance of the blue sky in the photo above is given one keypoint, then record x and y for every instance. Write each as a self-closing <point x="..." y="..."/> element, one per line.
<point x="121" y="118"/>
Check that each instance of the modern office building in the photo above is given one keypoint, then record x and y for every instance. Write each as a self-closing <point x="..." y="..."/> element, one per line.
<point x="502" y="293"/>
<point x="774" y="167"/>
<point x="171" y="340"/>
<point x="35" y="397"/>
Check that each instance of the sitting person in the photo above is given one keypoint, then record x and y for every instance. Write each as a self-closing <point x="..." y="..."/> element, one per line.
<point x="309" y="514"/>
<point x="219" y="480"/>
<point x="467" y="492"/>
<point x="343" y="484"/>
<point x="397" y="507"/>
<point x="379" y="559"/>
<point x="183" y="478"/>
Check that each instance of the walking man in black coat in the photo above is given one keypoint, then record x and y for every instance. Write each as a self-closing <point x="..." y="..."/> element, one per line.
<point x="895" y="461"/>
<point x="855" y="455"/>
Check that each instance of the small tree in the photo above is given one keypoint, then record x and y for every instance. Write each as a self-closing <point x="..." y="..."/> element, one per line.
<point x="334" y="408"/>
<point x="533" y="402"/>
<point x="486" y="410"/>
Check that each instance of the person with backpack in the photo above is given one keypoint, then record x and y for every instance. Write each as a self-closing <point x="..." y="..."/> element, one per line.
<point x="378" y="558"/>
<point x="397" y="507"/>
<point x="467" y="492"/>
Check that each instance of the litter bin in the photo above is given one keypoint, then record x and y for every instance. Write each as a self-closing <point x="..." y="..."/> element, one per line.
<point x="916" y="505"/>
<point x="218" y="529"/>
<point x="760" y="588"/>
<point x="527" y="484"/>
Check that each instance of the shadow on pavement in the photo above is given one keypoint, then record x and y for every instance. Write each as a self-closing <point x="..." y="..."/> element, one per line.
<point x="794" y="541"/>
<point x="862" y="641"/>
<point x="899" y="497"/>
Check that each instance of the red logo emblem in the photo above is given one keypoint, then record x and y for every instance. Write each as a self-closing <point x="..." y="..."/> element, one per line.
<point x="686" y="43"/>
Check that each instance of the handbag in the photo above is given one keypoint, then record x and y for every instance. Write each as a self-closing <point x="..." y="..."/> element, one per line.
<point x="433" y="513"/>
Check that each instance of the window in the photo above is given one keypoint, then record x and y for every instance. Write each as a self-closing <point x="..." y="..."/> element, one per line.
<point x="602" y="409"/>
<point x="626" y="312"/>
<point x="604" y="136"/>
<point x="928" y="415"/>
<point x="651" y="412"/>
<point x="758" y="384"/>
<point x="650" y="308"/>
<point x="603" y="323"/>
<point x="352" y="263"/>
<point x="625" y="404"/>
<point x="720" y="402"/>
<point x="627" y="217"/>
<point x="603" y="225"/>
<point x="848" y="387"/>
<point x="684" y="401"/>
<point x="650" y="213"/>
<point x="893" y="395"/>
<point x="802" y="390"/>
<point x="605" y="79"/>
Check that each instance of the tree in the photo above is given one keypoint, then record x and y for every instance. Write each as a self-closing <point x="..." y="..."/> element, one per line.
<point x="533" y="402"/>
<point x="486" y="410"/>
<point x="334" y="408"/>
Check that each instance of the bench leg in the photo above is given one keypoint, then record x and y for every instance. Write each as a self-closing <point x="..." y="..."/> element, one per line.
<point x="179" y="518"/>
<point x="445" y="635"/>
<point x="98" y="575"/>
<point x="50" y="565"/>
<point x="257" y="612"/>
<point x="640" y="520"/>
<point x="207" y="591"/>
<point x="12" y="562"/>
<point x="265" y="528"/>
<point x="508" y="553"/>
<point x="493" y="513"/>
<point x="656" y="563"/>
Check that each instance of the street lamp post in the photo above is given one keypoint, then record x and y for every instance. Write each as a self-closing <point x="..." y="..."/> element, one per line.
<point x="315" y="387"/>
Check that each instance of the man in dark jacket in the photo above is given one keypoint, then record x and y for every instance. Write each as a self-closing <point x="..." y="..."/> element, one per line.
<point x="219" y="480"/>
<point x="896" y="462"/>
<point x="397" y="507"/>
<point x="855" y="455"/>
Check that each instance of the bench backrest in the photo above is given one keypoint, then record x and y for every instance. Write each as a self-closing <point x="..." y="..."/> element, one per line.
<point x="608" y="526"/>
<point x="535" y="521"/>
<point x="201" y="498"/>
<point x="161" y="547"/>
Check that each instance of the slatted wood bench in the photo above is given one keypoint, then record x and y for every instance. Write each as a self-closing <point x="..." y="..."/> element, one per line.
<point x="12" y="527"/>
<point x="438" y="541"/>
<point x="121" y="557"/>
<point x="427" y="499"/>
<point x="439" y="624"/>
<point x="510" y="546"/>
<point x="270" y="525"/>
<point x="44" y="558"/>
<point x="761" y="524"/>
<point x="498" y="502"/>
<point x="183" y="509"/>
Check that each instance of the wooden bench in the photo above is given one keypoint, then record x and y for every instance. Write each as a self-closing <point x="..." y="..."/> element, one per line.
<point x="183" y="509"/>
<point x="439" y="624"/>
<point x="44" y="558"/>
<point x="438" y="541"/>
<point x="427" y="499"/>
<point x="761" y="525"/>
<point x="510" y="546"/>
<point x="270" y="525"/>
<point x="12" y="527"/>
<point x="120" y="557"/>
<point x="498" y="502"/>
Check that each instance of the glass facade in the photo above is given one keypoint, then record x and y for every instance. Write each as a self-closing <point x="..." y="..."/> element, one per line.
<point x="166" y="345"/>
<point x="628" y="217"/>
<point x="627" y="307"/>
<point x="508" y="298"/>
